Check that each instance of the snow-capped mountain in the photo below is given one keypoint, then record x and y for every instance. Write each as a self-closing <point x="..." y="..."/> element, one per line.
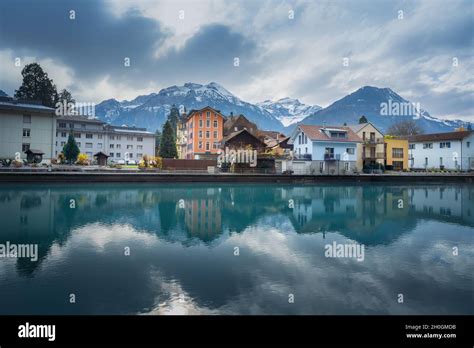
<point x="382" y="107"/>
<point x="288" y="111"/>
<point x="151" y="110"/>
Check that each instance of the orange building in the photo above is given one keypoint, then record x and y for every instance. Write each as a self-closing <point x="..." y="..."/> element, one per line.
<point x="205" y="132"/>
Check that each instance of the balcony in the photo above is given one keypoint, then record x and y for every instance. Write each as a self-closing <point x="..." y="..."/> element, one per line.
<point x="373" y="155"/>
<point x="332" y="157"/>
<point x="303" y="157"/>
<point x="373" y="141"/>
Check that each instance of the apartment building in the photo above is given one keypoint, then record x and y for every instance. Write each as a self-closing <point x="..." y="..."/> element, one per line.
<point x="396" y="153"/>
<point x="205" y="132"/>
<point x="26" y="125"/>
<point x="452" y="150"/>
<point x="93" y="136"/>
<point x="371" y="150"/>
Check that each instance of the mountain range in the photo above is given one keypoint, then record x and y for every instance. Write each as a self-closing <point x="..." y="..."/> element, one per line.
<point x="150" y="111"/>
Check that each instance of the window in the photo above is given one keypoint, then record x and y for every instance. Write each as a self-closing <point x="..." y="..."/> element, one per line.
<point x="99" y="145"/>
<point x="140" y="147"/>
<point x="77" y="135"/>
<point x="88" y="145"/>
<point x="215" y="123"/>
<point x="99" y="136"/>
<point x="306" y="150"/>
<point x="111" y="154"/>
<point x="208" y="123"/>
<point x="62" y="125"/>
<point x="441" y="161"/>
<point x="350" y="150"/>
<point x="445" y="145"/>
<point x="78" y="144"/>
<point x="26" y="118"/>
<point x="25" y="147"/>
<point x="208" y="134"/>
<point x="338" y="134"/>
<point x="139" y="155"/>
<point x="63" y="143"/>
<point x="468" y="144"/>
<point x="208" y="114"/>
<point x="215" y="134"/>
<point x="428" y="145"/>
<point x="207" y="146"/>
<point x="363" y="135"/>
<point x="139" y="138"/>
<point x="26" y="132"/>
<point x="346" y="166"/>
<point x="200" y="123"/>
<point x="215" y="145"/>
<point x="118" y="154"/>
<point x="426" y="161"/>
<point x="118" y="146"/>
<point x="200" y="134"/>
<point x="200" y="145"/>
<point x="63" y="134"/>
<point x="129" y="138"/>
<point x="118" y="137"/>
<point x="129" y="147"/>
<point x="397" y="153"/>
<point x="111" y="137"/>
<point x="299" y="139"/>
<point x="411" y="146"/>
<point x="111" y="146"/>
<point x="88" y="136"/>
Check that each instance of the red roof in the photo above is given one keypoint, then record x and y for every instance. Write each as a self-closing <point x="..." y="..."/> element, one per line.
<point x="316" y="133"/>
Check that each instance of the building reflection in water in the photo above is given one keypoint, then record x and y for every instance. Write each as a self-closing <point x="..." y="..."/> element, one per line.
<point x="371" y="215"/>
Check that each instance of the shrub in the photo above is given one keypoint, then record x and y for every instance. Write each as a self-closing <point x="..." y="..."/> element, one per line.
<point x="61" y="158"/>
<point x="82" y="159"/>
<point x="17" y="164"/>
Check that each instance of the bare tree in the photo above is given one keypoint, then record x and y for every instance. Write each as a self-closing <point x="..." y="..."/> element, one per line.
<point x="405" y="128"/>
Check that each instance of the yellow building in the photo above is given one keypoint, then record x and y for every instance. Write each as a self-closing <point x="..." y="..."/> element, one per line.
<point x="396" y="152"/>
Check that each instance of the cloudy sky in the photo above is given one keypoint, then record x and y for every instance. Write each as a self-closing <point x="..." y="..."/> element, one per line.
<point x="423" y="50"/>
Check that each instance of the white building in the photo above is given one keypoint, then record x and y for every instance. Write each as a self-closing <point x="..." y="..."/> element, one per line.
<point x="453" y="150"/>
<point x="92" y="136"/>
<point x="324" y="149"/>
<point x="26" y="125"/>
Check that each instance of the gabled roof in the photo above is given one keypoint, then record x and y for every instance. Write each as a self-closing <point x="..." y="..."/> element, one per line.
<point x="439" y="136"/>
<point x="234" y="134"/>
<point x="358" y="127"/>
<point x="9" y="103"/>
<point x="230" y="121"/>
<point x="316" y="133"/>
<point x="204" y="108"/>
<point x="100" y="153"/>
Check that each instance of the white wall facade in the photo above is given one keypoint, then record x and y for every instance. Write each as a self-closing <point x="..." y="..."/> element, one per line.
<point x="93" y="136"/>
<point x="17" y="133"/>
<point x="452" y="154"/>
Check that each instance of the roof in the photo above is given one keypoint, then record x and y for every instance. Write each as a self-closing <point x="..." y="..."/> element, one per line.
<point x="315" y="133"/>
<point x="234" y="134"/>
<point x="9" y="103"/>
<point x="439" y="136"/>
<point x="358" y="127"/>
<point x="231" y="120"/>
<point x="34" y="152"/>
<point x="272" y="134"/>
<point x="204" y="108"/>
<point x="80" y="118"/>
<point x="100" y="153"/>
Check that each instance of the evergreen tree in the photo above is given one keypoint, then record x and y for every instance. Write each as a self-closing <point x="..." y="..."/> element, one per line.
<point x="363" y="119"/>
<point x="66" y="96"/>
<point x="168" y="143"/>
<point x="37" y="86"/>
<point x="173" y="117"/>
<point x="71" y="150"/>
<point x="157" y="141"/>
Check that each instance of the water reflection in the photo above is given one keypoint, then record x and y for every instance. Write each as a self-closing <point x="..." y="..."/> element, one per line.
<point x="182" y="241"/>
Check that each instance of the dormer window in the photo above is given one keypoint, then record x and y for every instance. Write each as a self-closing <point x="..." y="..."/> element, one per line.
<point x="338" y="134"/>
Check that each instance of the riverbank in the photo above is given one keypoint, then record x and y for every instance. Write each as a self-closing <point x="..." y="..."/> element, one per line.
<point x="124" y="176"/>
